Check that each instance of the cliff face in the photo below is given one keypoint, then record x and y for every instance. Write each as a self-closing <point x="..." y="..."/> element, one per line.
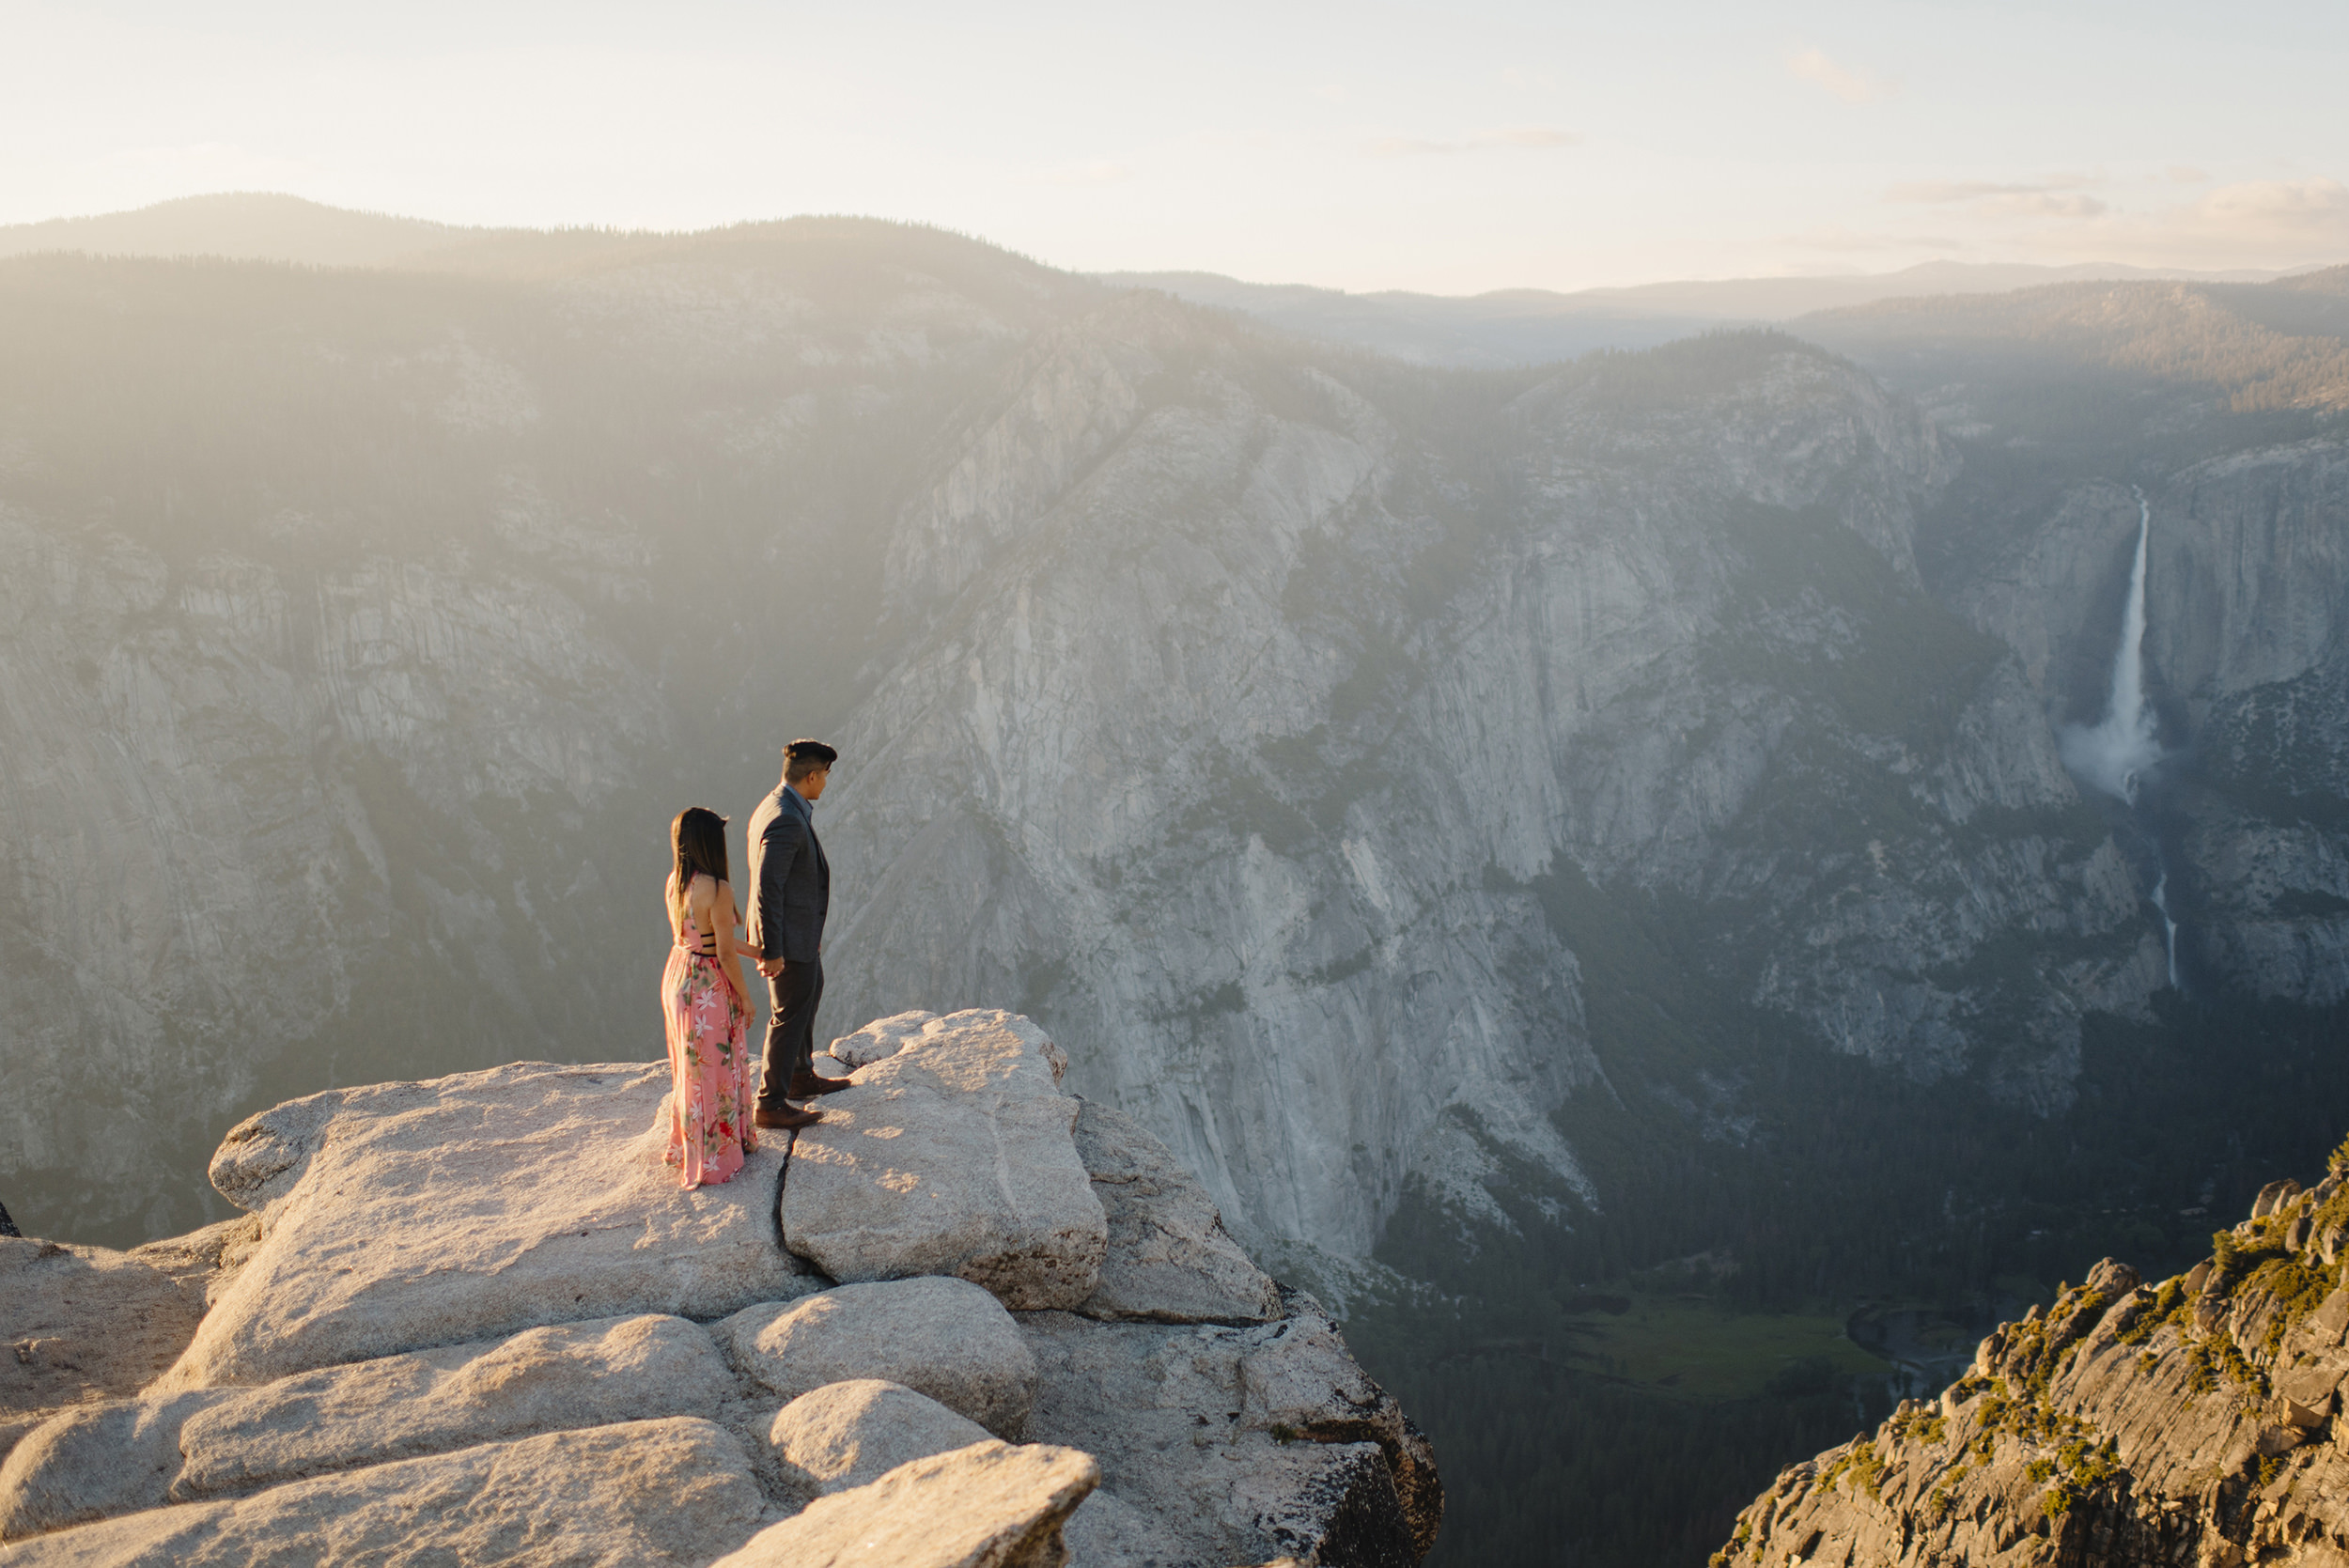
<point x="239" y="811"/>
<point x="2255" y="640"/>
<point x="1242" y="762"/>
<point x="2195" y="1420"/>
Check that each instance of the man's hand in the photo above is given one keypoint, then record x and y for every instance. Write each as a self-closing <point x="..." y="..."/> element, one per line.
<point x="770" y="968"/>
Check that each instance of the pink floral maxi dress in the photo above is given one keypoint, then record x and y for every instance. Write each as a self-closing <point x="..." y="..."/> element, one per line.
<point x="711" y="1074"/>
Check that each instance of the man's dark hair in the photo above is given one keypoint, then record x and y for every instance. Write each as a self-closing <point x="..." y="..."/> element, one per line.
<point x="802" y="757"/>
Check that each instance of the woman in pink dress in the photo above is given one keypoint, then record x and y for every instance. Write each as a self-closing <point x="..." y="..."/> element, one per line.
<point x="712" y="1076"/>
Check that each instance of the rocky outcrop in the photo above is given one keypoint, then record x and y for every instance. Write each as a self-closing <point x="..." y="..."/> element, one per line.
<point x="882" y="1189"/>
<point x="1216" y="1431"/>
<point x="459" y="1387"/>
<point x="942" y="1337"/>
<point x="1169" y="1257"/>
<point x="846" y="1433"/>
<point x="540" y="1187"/>
<point x="2196" y="1420"/>
<point x="646" y="1492"/>
<point x="986" y="1506"/>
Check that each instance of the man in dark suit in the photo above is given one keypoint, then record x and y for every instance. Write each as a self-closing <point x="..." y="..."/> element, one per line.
<point x="790" y="894"/>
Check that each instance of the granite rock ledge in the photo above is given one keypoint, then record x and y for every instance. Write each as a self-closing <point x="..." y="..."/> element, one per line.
<point x="475" y="1318"/>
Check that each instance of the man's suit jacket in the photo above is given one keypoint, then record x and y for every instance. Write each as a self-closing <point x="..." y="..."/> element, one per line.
<point x="790" y="879"/>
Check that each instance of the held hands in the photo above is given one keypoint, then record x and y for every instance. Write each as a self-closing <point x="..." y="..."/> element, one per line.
<point x="770" y="968"/>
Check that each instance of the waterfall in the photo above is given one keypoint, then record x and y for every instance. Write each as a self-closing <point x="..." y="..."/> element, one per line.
<point x="2114" y="754"/>
<point x="2169" y="927"/>
<point x="2118" y="752"/>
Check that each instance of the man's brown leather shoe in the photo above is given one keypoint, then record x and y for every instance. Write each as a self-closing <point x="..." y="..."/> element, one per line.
<point x="787" y="1117"/>
<point x="806" y="1085"/>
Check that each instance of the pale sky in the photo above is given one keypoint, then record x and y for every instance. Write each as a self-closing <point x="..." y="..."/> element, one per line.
<point x="1450" y="148"/>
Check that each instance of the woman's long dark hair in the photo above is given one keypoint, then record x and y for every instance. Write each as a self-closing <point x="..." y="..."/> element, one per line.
<point x="698" y="836"/>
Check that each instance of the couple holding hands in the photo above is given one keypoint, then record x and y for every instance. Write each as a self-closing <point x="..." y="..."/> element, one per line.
<point x="719" y="1100"/>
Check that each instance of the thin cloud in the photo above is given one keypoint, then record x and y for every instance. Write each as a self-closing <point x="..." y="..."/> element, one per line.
<point x="2060" y="197"/>
<point x="1936" y="192"/>
<point x="1530" y="138"/>
<point x="1851" y="86"/>
<point x="2185" y="173"/>
<point x="2258" y="223"/>
<point x="2279" y="210"/>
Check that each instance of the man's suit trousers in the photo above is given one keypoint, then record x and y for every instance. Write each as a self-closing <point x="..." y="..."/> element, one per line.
<point x="790" y="1028"/>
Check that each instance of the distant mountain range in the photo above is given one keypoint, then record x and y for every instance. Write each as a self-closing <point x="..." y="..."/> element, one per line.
<point x="1507" y="327"/>
<point x="1533" y="326"/>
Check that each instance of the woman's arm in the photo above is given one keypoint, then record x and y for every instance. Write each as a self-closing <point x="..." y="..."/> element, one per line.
<point x="720" y="926"/>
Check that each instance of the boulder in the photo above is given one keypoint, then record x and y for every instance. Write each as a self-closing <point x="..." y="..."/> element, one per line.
<point x="2120" y="1315"/>
<point x="945" y="1338"/>
<point x="1203" y="1427"/>
<point x="677" y="1491"/>
<point x="2279" y="1439"/>
<point x="81" y="1323"/>
<point x="986" y="1506"/>
<point x="96" y="1461"/>
<point x="952" y="1156"/>
<point x="1169" y="1258"/>
<point x="2307" y="1394"/>
<point x="2325" y="1325"/>
<point x="571" y="1375"/>
<point x="408" y="1215"/>
<point x="846" y="1435"/>
<point x="882" y="1037"/>
<point x="2110" y="1277"/>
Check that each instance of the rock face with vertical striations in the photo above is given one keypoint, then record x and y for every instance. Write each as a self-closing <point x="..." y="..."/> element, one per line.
<point x="813" y="1422"/>
<point x="2135" y="1424"/>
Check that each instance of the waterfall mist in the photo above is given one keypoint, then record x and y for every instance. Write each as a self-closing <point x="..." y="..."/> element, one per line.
<point x="2115" y="754"/>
